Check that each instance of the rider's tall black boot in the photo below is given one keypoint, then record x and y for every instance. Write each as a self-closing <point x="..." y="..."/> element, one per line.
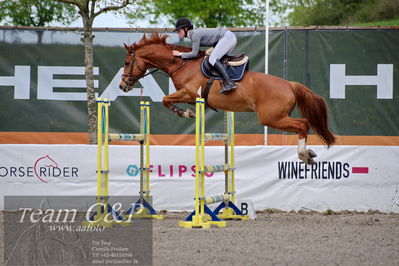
<point x="229" y="86"/>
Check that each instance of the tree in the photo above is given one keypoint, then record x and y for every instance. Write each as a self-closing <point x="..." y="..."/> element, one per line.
<point x="323" y="12"/>
<point x="35" y="13"/>
<point x="216" y="13"/>
<point x="89" y="10"/>
<point x="334" y="12"/>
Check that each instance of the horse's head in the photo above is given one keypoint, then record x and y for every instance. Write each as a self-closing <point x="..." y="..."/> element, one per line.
<point x="133" y="70"/>
<point x="148" y="52"/>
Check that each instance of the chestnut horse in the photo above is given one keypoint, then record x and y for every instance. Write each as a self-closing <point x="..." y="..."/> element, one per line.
<point x="272" y="98"/>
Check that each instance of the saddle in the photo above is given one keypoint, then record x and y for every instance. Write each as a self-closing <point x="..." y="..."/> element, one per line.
<point x="236" y="66"/>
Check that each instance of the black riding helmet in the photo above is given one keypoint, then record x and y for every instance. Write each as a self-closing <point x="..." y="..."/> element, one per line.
<point x="184" y="23"/>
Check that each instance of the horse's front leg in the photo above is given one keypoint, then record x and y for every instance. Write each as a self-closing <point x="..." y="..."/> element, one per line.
<point x="180" y="96"/>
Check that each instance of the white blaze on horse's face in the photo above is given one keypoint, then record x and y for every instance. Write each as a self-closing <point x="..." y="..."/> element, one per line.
<point x="127" y="80"/>
<point x="123" y="85"/>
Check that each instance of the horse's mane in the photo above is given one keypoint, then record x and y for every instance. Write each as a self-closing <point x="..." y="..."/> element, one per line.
<point x="155" y="38"/>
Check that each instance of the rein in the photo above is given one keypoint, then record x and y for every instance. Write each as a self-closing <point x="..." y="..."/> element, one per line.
<point x="177" y="68"/>
<point x="132" y="79"/>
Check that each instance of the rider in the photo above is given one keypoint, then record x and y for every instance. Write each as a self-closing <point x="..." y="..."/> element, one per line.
<point x="222" y="40"/>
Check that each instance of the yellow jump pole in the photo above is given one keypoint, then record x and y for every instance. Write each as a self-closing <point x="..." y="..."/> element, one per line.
<point x="102" y="199"/>
<point x="232" y="159"/>
<point x="229" y="210"/>
<point x="197" y="218"/>
<point x="201" y="165"/>
<point x="111" y="213"/>
<point x="202" y="216"/>
<point x="145" y="210"/>
<point x="106" y="156"/>
<point x="142" y="108"/>
<point x="146" y="132"/>
<point x="146" y="123"/>
<point x="227" y="158"/>
<point x="100" y="106"/>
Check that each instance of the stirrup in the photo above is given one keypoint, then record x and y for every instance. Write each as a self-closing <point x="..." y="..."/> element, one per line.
<point x="228" y="87"/>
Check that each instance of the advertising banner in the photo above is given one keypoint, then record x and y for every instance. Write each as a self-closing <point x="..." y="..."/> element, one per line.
<point x="44" y="90"/>
<point x="343" y="178"/>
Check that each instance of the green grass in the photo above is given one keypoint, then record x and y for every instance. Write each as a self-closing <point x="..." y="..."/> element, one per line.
<point x="391" y="22"/>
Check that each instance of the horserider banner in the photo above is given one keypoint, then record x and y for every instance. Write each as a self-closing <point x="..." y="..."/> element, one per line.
<point x="44" y="95"/>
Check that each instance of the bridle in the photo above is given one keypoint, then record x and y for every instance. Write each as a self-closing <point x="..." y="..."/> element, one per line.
<point x="131" y="79"/>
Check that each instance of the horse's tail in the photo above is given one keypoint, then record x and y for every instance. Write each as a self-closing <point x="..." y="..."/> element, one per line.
<point x="314" y="109"/>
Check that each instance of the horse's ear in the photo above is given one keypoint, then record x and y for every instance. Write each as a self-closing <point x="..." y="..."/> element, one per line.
<point x="126" y="46"/>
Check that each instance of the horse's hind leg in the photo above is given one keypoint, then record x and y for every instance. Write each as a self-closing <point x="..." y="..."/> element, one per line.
<point x="306" y="155"/>
<point x="299" y="126"/>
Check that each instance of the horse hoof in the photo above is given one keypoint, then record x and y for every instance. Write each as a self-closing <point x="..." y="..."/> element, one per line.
<point x="310" y="161"/>
<point x="312" y="154"/>
<point x="189" y="113"/>
<point x="307" y="156"/>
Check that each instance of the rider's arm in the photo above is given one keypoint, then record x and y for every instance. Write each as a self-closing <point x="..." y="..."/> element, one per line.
<point x="196" y="40"/>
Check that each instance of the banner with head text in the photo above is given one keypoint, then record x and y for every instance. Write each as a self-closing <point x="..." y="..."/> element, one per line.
<point x="44" y="90"/>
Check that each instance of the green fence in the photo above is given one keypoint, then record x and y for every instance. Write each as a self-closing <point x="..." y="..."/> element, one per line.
<point x="303" y="55"/>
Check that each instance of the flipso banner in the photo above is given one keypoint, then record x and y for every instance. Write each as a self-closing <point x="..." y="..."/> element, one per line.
<point x="344" y="177"/>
